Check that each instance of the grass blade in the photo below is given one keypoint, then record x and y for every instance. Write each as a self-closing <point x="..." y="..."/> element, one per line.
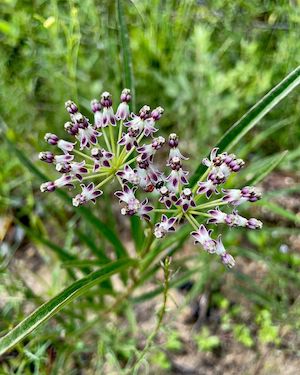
<point x="137" y="232"/>
<point x="94" y="248"/>
<point x="50" y="308"/>
<point x="253" y="116"/>
<point x="283" y="212"/>
<point x="128" y="78"/>
<point x="266" y="168"/>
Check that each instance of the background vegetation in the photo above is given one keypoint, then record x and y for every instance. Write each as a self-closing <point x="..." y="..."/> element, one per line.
<point x="206" y="63"/>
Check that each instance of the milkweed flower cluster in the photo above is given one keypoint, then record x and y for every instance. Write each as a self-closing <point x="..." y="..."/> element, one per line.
<point x="122" y="146"/>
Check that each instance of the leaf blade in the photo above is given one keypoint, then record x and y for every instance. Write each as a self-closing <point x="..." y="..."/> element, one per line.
<point x="48" y="309"/>
<point x="128" y="77"/>
<point x="235" y="133"/>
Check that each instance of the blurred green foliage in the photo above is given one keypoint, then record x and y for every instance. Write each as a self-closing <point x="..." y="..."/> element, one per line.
<point x="206" y="63"/>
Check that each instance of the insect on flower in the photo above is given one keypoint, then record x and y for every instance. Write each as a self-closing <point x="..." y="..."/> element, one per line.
<point x="125" y="152"/>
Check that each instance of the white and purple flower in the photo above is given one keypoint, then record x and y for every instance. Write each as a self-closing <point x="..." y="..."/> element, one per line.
<point x="203" y="236"/>
<point x="88" y="193"/>
<point x="63" y="181"/>
<point x="123" y="110"/>
<point x="101" y="159"/>
<point x="165" y="226"/>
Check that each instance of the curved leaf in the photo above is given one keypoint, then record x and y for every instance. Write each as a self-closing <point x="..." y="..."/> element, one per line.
<point x="266" y="168"/>
<point x="253" y="116"/>
<point x="48" y="309"/>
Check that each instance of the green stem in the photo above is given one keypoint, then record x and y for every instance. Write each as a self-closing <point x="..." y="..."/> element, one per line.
<point x="83" y="154"/>
<point x="129" y="162"/>
<point x="125" y="156"/>
<point x="106" y="140"/>
<point x="202" y="178"/>
<point x="112" y="139"/>
<point x="93" y="176"/>
<point x="163" y="210"/>
<point x="104" y="181"/>
<point x="191" y="221"/>
<point x="218" y="202"/>
<point x="119" y="137"/>
<point x="161" y="313"/>
<point x="198" y="213"/>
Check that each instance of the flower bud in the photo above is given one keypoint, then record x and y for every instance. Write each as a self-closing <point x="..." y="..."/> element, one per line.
<point x="71" y="107"/>
<point x="125" y="96"/>
<point x="95" y="105"/>
<point x="71" y="128"/>
<point x="46" y="156"/>
<point x="173" y="140"/>
<point x="157" y="113"/>
<point x="106" y="100"/>
<point x="52" y="139"/>
<point x="144" y="112"/>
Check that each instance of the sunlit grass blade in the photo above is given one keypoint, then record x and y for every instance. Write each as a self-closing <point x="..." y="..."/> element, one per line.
<point x="262" y="136"/>
<point x="76" y="263"/>
<point x="265" y="168"/>
<point x="277" y="209"/>
<point x="253" y="116"/>
<point x="48" y="309"/>
<point x="128" y="78"/>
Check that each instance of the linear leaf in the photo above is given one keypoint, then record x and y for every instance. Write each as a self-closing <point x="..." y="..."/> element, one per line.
<point x="77" y="263"/>
<point x="128" y="78"/>
<point x="253" y="116"/>
<point x="48" y="309"/>
<point x="277" y="209"/>
<point x="95" y="249"/>
<point x="137" y="232"/>
<point x="266" y="168"/>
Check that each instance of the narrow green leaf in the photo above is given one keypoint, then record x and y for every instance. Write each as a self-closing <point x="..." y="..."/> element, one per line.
<point x="253" y="116"/>
<point x="263" y="135"/>
<point x="274" y="207"/>
<point x="83" y="263"/>
<point x="128" y="78"/>
<point x="48" y="309"/>
<point x="95" y="249"/>
<point x="137" y="232"/>
<point x="59" y="251"/>
<point x="266" y="168"/>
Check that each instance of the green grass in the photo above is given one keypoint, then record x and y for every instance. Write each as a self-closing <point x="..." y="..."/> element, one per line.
<point x="206" y="63"/>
